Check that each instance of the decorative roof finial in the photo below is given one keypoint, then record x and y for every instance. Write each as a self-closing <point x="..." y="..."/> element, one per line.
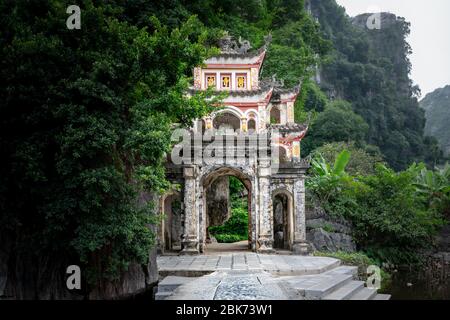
<point x="229" y="45"/>
<point x="267" y="40"/>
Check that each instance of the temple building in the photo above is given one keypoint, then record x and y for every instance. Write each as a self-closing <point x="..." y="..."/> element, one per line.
<point x="273" y="173"/>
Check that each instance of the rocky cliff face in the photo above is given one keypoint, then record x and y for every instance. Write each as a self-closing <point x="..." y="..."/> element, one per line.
<point x="29" y="275"/>
<point x="25" y="275"/>
<point x="327" y="234"/>
<point x="437" y="112"/>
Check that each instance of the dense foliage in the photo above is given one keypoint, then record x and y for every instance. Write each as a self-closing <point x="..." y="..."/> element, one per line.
<point x="336" y="123"/>
<point x="236" y="227"/>
<point x="390" y="211"/>
<point x="362" y="161"/>
<point x="85" y="122"/>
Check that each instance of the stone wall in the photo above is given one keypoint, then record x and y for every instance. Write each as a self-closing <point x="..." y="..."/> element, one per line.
<point x="328" y="234"/>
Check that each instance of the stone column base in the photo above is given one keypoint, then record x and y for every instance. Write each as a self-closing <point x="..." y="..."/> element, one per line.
<point x="265" y="245"/>
<point x="301" y="247"/>
<point x="190" y="247"/>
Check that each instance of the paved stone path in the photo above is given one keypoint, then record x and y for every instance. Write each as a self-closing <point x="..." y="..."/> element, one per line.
<point x="192" y="266"/>
<point x="232" y="285"/>
<point x="275" y="264"/>
<point x="251" y="276"/>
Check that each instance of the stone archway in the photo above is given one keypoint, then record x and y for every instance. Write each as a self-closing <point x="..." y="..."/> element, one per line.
<point x="214" y="175"/>
<point x="283" y="219"/>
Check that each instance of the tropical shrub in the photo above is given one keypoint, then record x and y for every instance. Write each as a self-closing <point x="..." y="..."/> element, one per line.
<point x="387" y="213"/>
<point x="327" y="180"/>
<point x="362" y="160"/>
<point x="435" y="187"/>
<point x="391" y="212"/>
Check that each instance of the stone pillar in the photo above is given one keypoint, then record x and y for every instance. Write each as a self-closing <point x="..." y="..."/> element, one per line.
<point x="262" y="115"/>
<point x="300" y="245"/>
<point x="290" y="112"/>
<point x="283" y="114"/>
<point x="191" y="227"/>
<point x="296" y="151"/>
<point x="265" y="236"/>
<point x="254" y="73"/>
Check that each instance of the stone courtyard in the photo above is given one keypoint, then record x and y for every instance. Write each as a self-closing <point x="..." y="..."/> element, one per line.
<point x="277" y="264"/>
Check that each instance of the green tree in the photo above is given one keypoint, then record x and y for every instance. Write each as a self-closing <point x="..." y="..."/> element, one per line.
<point x="336" y="123"/>
<point x="85" y="123"/>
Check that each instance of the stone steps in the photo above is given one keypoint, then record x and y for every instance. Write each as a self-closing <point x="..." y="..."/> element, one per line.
<point x="380" y="296"/>
<point x="335" y="284"/>
<point x="364" y="294"/>
<point x="162" y="295"/>
<point x="168" y="285"/>
<point x="345" y="292"/>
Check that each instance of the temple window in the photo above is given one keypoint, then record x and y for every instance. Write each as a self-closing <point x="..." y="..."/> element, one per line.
<point x="241" y="81"/>
<point x="210" y="80"/>
<point x="225" y="81"/>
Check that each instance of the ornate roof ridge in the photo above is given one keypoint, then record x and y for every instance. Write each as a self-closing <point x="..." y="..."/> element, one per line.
<point x="251" y="54"/>
<point x="288" y="126"/>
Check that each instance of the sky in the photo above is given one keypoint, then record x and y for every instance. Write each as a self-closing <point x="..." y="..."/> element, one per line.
<point x="429" y="39"/>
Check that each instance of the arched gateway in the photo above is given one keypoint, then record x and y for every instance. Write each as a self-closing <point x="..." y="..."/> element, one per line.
<point x="241" y="140"/>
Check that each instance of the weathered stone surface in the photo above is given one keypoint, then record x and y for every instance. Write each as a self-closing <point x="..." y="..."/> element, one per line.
<point x="323" y="223"/>
<point x="276" y="264"/>
<point x="330" y="241"/>
<point x="135" y="280"/>
<point x="218" y="202"/>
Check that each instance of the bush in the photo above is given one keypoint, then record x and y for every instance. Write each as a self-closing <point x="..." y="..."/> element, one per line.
<point x="229" y="238"/>
<point x="236" y="228"/>
<point x="392" y="220"/>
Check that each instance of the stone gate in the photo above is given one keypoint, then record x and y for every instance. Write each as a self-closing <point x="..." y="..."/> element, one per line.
<point x="252" y="137"/>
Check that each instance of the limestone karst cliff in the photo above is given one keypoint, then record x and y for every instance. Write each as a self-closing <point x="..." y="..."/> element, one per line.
<point x="437" y="112"/>
<point x="370" y="68"/>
